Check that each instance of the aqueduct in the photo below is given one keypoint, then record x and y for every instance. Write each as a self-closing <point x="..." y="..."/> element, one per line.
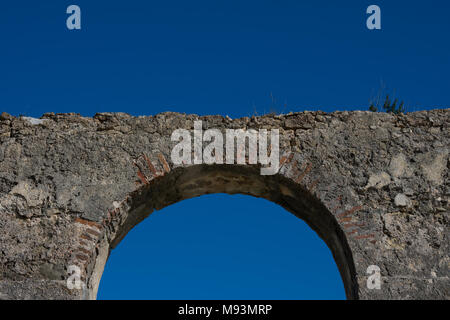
<point x="374" y="186"/>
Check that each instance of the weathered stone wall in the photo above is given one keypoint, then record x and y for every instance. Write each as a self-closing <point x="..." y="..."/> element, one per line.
<point x="374" y="186"/>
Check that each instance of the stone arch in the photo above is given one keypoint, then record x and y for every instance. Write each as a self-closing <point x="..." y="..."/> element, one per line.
<point x="192" y="181"/>
<point x="374" y="186"/>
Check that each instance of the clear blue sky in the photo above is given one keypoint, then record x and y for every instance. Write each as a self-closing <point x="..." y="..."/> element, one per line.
<point x="222" y="247"/>
<point x="229" y="58"/>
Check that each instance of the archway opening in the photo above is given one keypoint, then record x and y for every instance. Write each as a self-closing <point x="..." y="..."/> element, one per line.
<point x="189" y="182"/>
<point x="221" y="247"/>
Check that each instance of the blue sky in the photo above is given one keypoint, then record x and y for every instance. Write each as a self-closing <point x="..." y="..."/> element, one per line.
<point x="233" y="58"/>
<point x="220" y="57"/>
<point x="222" y="247"/>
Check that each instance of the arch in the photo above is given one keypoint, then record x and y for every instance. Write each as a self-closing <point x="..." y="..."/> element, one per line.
<point x="193" y="181"/>
<point x="372" y="185"/>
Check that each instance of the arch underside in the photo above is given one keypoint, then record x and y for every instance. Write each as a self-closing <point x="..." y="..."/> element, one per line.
<point x="188" y="182"/>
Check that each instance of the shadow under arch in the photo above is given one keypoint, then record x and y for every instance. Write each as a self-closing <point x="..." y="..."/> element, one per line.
<point x="187" y="182"/>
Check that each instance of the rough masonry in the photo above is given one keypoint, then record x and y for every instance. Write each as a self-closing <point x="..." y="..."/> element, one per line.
<point x="374" y="186"/>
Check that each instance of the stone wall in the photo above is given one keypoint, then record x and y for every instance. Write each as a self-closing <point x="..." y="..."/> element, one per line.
<point x="374" y="186"/>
